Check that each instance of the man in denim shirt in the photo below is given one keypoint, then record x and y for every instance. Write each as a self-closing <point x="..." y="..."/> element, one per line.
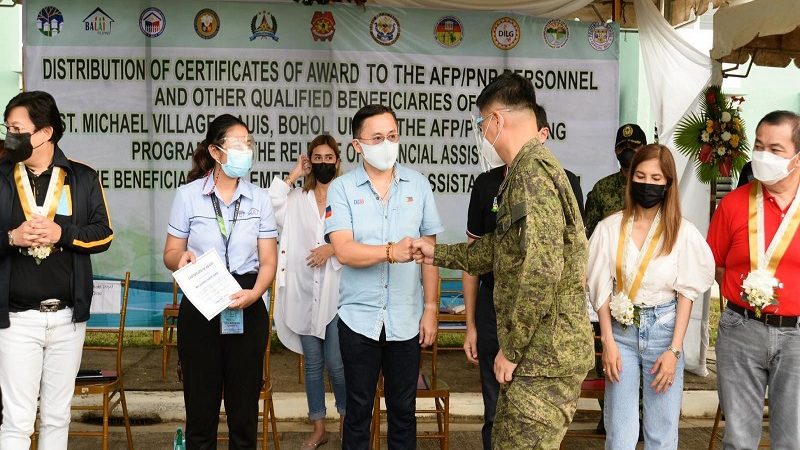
<point x="373" y="215"/>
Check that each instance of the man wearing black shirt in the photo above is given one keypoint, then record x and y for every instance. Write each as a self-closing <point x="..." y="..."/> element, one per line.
<point x="54" y="217"/>
<point x="480" y="343"/>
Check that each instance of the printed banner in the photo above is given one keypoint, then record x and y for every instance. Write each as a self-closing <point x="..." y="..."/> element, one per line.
<point x="138" y="82"/>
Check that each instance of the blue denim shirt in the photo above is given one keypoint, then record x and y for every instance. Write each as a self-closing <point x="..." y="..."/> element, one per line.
<point x="384" y="294"/>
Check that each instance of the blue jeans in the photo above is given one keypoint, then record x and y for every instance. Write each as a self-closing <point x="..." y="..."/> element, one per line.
<point x="639" y="348"/>
<point x="750" y="357"/>
<point x="319" y="353"/>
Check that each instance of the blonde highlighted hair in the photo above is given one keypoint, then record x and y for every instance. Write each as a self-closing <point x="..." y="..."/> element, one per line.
<point x="671" y="206"/>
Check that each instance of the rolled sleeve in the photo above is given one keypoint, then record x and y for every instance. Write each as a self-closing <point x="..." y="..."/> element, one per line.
<point x="431" y="222"/>
<point x="267" y="228"/>
<point x="179" y="216"/>
<point x="337" y="213"/>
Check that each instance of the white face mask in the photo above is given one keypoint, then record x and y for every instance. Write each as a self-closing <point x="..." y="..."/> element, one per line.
<point x="488" y="154"/>
<point x="381" y="156"/>
<point x="769" y="168"/>
<point x="489" y="157"/>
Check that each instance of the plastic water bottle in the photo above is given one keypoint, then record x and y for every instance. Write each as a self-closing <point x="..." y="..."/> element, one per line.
<point x="180" y="441"/>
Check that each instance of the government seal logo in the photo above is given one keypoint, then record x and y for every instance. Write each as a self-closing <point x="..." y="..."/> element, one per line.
<point x="264" y="26"/>
<point x="384" y="29"/>
<point x="448" y="32"/>
<point x="505" y="33"/>
<point x="627" y="131"/>
<point x="206" y="23"/>
<point x="601" y="36"/>
<point x="152" y="22"/>
<point x="323" y="26"/>
<point x="98" y="22"/>
<point x="50" y="21"/>
<point x="556" y="33"/>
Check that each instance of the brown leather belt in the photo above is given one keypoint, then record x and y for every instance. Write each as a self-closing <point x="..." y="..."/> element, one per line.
<point x="768" y="319"/>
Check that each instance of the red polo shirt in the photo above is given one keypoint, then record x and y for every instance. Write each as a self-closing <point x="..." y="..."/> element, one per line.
<point x="729" y="241"/>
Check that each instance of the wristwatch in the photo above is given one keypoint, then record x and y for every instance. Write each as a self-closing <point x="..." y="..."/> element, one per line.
<point x="675" y="352"/>
<point x="10" y="238"/>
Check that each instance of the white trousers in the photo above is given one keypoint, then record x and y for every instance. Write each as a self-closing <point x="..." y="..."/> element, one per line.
<point x="40" y="354"/>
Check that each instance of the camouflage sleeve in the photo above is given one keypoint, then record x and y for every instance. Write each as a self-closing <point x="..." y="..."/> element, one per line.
<point x="541" y="232"/>
<point x="594" y="212"/>
<point x="476" y="257"/>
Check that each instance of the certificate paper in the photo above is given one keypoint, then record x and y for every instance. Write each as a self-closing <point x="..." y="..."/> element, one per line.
<point x="207" y="284"/>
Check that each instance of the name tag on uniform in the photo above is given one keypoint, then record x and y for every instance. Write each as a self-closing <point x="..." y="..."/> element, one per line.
<point x="231" y="321"/>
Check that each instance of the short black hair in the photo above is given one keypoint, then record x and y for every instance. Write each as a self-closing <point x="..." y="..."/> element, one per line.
<point x="365" y="113"/>
<point x="780" y="117"/>
<point x="42" y="110"/>
<point x="510" y="90"/>
<point x="541" y="117"/>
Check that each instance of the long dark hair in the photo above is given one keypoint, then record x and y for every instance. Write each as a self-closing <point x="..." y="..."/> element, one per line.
<point x="310" y="181"/>
<point x="202" y="162"/>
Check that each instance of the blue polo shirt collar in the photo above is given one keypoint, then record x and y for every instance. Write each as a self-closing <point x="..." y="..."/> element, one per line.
<point x="243" y="189"/>
<point x="401" y="173"/>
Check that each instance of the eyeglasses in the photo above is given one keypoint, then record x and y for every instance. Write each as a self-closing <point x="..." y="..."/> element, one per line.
<point x="377" y="140"/>
<point x="329" y="158"/>
<point x="5" y="129"/>
<point x="238" y="142"/>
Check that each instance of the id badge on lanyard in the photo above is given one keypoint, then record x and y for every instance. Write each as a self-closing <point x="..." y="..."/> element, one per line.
<point x="231" y="321"/>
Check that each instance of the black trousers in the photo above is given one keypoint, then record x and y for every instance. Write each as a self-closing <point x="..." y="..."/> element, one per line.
<point x="488" y="347"/>
<point x="216" y="366"/>
<point x="363" y="360"/>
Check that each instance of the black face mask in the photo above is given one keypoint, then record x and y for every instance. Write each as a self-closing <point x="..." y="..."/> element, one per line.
<point x="647" y="195"/>
<point x="625" y="157"/>
<point x="323" y="172"/>
<point x="18" y="146"/>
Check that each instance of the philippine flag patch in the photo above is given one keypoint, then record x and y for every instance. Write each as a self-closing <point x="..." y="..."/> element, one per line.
<point x="328" y="212"/>
<point x="409" y="199"/>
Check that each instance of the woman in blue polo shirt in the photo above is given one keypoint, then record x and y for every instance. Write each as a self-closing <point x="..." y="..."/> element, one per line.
<point x="219" y="209"/>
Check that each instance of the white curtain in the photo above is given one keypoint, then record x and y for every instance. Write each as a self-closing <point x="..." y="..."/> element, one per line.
<point x="542" y="8"/>
<point x="676" y="74"/>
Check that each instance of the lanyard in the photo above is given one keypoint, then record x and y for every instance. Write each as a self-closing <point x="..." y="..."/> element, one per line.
<point x="226" y="237"/>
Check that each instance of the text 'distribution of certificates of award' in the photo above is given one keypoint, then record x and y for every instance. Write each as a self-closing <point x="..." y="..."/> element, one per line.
<point x="207" y="284"/>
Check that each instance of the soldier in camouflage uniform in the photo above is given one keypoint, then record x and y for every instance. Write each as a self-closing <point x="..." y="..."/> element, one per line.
<point x="607" y="194"/>
<point x="538" y="253"/>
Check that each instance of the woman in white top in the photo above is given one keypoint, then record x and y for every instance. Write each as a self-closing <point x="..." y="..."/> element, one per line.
<point x="646" y="266"/>
<point x="308" y="279"/>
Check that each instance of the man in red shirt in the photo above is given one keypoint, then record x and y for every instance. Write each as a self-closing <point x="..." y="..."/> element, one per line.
<point x="759" y="339"/>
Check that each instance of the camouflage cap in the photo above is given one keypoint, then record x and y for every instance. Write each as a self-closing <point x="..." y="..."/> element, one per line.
<point x="630" y="132"/>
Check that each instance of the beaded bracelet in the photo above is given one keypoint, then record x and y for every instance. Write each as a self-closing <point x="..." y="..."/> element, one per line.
<point x="389" y="253"/>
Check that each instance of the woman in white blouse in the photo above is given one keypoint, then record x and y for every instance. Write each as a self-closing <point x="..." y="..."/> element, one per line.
<point x="308" y="279"/>
<point x="646" y="266"/>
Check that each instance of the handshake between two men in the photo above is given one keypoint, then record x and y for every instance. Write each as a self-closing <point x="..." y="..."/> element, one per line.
<point x="419" y="250"/>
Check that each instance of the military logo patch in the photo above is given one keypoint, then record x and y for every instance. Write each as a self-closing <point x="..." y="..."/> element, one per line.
<point x="206" y="23"/>
<point x="555" y="33"/>
<point x="49" y="21"/>
<point x="152" y="22"/>
<point x="601" y="36"/>
<point x="627" y="131"/>
<point x="505" y="33"/>
<point x="323" y="26"/>
<point x="448" y="32"/>
<point x="384" y="29"/>
<point x="264" y="25"/>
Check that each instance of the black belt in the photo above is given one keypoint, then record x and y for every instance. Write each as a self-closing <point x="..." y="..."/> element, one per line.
<point x="768" y="319"/>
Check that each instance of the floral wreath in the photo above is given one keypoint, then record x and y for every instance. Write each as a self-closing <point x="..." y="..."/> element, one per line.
<point x="715" y="139"/>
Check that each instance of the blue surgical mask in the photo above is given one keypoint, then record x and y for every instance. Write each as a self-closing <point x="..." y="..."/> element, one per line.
<point x="239" y="162"/>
